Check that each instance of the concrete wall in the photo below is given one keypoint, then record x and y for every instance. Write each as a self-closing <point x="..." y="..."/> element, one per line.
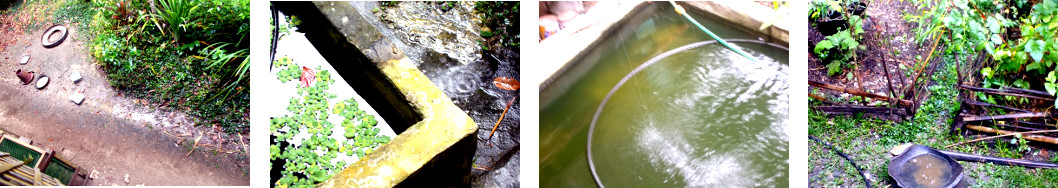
<point x="745" y="16"/>
<point x="437" y="143"/>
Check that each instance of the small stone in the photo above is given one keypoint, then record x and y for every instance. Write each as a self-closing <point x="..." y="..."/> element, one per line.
<point x="25" y="139"/>
<point x="25" y="59"/>
<point x="75" y="76"/>
<point x="126" y="178"/>
<point x="93" y="175"/>
<point x="77" y="98"/>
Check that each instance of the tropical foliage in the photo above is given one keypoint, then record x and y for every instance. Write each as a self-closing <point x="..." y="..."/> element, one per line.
<point x="189" y="55"/>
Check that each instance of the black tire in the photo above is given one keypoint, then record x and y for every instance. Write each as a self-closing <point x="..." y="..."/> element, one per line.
<point x="57" y="28"/>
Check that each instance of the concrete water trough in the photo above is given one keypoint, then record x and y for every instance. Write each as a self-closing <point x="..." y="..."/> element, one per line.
<point x="691" y="112"/>
<point x="435" y="141"/>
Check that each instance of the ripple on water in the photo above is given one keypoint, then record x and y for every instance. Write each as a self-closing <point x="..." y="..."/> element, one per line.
<point x="707" y="118"/>
<point x="459" y="82"/>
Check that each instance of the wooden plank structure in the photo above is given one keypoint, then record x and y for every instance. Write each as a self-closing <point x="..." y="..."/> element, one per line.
<point x="21" y="163"/>
<point x="901" y="102"/>
<point x="978" y="116"/>
<point x="15" y="172"/>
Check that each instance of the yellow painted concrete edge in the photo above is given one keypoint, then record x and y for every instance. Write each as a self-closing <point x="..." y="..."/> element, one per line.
<point x="442" y="126"/>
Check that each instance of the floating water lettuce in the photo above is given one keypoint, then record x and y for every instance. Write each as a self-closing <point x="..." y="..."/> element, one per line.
<point x="312" y="161"/>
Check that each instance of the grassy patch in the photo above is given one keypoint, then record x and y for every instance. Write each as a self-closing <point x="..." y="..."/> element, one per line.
<point x="194" y="60"/>
<point x="868" y="141"/>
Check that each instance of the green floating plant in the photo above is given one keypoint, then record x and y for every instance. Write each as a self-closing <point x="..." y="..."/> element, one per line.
<point x="312" y="161"/>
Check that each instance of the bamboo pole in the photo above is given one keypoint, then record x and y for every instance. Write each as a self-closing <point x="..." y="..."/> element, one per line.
<point x="888" y="79"/>
<point x="1003" y="92"/>
<point x="860" y="109"/>
<point x="972" y="118"/>
<point x="1026" y="91"/>
<point x="817" y="97"/>
<point x="998" y="160"/>
<point x="859" y="92"/>
<point x="919" y="71"/>
<point x="984" y="104"/>
<point x="1025" y="135"/>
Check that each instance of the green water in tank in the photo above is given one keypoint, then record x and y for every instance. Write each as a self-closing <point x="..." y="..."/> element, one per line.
<point x="705" y="117"/>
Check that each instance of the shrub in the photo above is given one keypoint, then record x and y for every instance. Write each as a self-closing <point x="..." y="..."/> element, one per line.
<point x="190" y="55"/>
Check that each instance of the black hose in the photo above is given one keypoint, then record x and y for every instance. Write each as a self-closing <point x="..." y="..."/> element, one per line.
<point x="275" y="36"/>
<point x="591" y="129"/>
<point x="864" y="175"/>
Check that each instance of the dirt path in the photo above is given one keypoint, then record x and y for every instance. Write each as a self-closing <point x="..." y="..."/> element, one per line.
<point x="124" y="141"/>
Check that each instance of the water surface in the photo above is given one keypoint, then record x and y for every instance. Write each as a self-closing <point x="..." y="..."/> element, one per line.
<point x="705" y="117"/>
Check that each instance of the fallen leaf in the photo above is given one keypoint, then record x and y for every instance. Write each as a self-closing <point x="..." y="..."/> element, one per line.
<point x="506" y="83"/>
<point x="307" y="76"/>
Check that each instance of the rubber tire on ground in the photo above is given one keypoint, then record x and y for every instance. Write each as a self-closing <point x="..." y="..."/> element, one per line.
<point x="57" y="28"/>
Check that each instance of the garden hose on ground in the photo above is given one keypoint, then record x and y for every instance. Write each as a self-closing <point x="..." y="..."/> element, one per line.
<point x="853" y="162"/>
<point x="591" y="129"/>
<point x="679" y="9"/>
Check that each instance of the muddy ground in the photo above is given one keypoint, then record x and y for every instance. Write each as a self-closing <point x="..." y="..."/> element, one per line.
<point x="118" y="140"/>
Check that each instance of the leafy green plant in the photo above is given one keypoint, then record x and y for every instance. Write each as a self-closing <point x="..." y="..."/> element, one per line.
<point x="141" y="59"/>
<point x="218" y="57"/>
<point x="177" y="15"/>
<point x="840" y="48"/>
<point x="1018" y="43"/>
<point x="501" y="17"/>
<point x="819" y="8"/>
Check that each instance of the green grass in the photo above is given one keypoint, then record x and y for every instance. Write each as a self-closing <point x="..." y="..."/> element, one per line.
<point x="868" y="141"/>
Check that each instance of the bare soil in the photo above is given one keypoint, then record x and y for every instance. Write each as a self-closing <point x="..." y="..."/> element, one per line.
<point x="886" y="33"/>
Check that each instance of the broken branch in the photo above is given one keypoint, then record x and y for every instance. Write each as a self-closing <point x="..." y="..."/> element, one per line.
<point x="501" y="117"/>
<point x="195" y="145"/>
